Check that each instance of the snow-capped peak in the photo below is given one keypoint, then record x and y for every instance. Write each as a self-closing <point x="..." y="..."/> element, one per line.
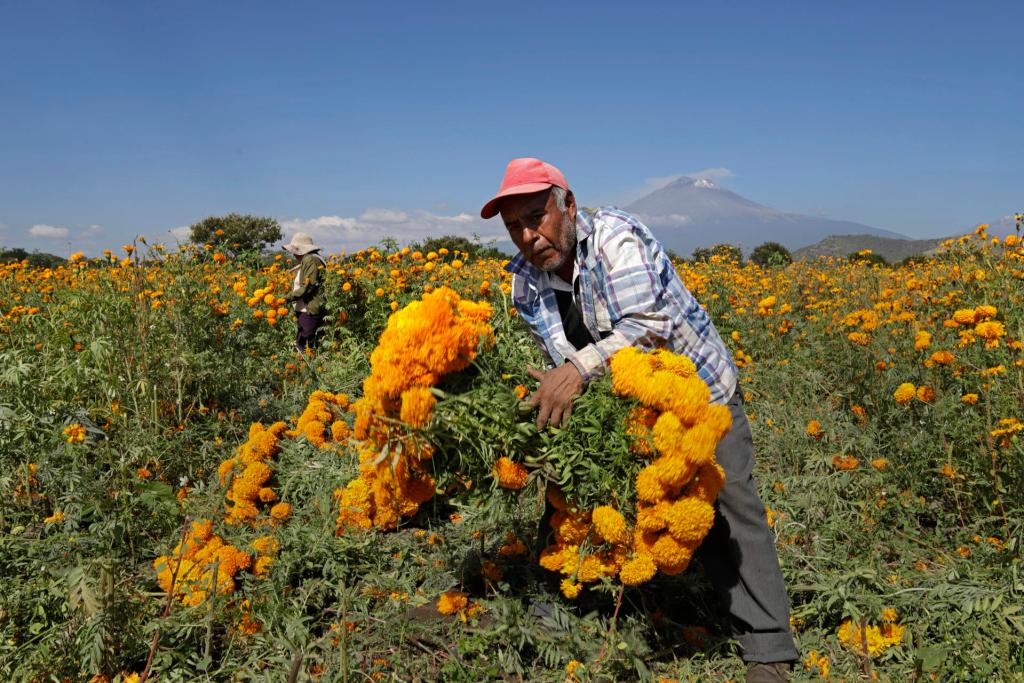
<point x="703" y="182"/>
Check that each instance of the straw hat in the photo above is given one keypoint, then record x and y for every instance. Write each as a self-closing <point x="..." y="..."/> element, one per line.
<point x="301" y="244"/>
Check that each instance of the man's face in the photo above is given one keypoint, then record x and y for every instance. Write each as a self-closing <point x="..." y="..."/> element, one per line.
<point x="544" y="235"/>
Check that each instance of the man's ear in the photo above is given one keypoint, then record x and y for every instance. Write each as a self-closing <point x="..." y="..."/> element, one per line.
<point x="570" y="205"/>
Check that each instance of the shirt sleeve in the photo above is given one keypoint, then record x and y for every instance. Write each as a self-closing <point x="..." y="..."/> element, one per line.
<point x="634" y="287"/>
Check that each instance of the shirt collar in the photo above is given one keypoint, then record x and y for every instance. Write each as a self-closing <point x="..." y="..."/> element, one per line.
<point x="584" y="229"/>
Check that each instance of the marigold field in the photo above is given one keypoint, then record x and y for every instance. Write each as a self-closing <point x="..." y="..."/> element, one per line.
<point x="183" y="497"/>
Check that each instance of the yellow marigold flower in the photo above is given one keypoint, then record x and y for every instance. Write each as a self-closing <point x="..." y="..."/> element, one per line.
<point x="640" y="569"/>
<point x="942" y="358"/>
<point x="651" y="517"/>
<point x="648" y="485"/>
<point x="878" y="638"/>
<point x="880" y="463"/>
<point x="610" y="524"/>
<point x="815" y="663"/>
<point x="510" y="474"/>
<point x="969" y="399"/>
<point x="671" y="556"/>
<point x="964" y="316"/>
<point x="904" y="393"/>
<point x="451" y="602"/>
<point x="990" y="329"/>
<point x="75" y="433"/>
<point x="948" y="471"/>
<point x="814" y="429"/>
<point x="984" y="311"/>
<point x="570" y="588"/>
<point x="859" y="338"/>
<point x="689" y="519"/>
<point x="922" y="340"/>
<point x="281" y="511"/>
<point x="56" y="517"/>
<point x="925" y="394"/>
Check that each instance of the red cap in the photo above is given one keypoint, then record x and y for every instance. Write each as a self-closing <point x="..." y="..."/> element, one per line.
<point x="524" y="176"/>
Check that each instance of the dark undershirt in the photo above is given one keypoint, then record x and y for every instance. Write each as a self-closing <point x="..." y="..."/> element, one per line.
<point x="572" y="320"/>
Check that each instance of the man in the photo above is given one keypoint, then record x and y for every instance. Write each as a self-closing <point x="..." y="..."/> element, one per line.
<point x="307" y="290"/>
<point x="589" y="285"/>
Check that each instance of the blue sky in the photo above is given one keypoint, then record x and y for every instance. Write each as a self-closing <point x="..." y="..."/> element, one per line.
<point x="354" y="120"/>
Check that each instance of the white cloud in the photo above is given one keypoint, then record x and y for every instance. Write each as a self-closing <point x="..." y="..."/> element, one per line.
<point x="52" y="232"/>
<point x="340" y="233"/>
<point x="384" y="216"/>
<point x="670" y="220"/>
<point x="181" y="233"/>
<point x="92" y="230"/>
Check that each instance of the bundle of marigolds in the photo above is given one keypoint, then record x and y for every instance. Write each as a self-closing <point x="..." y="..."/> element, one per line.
<point x="674" y="494"/>
<point x="422" y="343"/>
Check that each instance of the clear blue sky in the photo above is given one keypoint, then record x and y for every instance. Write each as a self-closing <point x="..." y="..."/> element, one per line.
<point x="358" y="119"/>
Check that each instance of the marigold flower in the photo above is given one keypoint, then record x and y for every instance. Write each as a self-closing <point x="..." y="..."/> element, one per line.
<point x="451" y="602"/>
<point x="571" y="589"/>
<point x="75" y="433"/>
<point x="877" y="638"/>
<point x="969" y="399"/>
<point x="56" y="517"/>
<point x="510" y="474"/>
<point x="814" y="429"/>
<point x="281" y="511"/>
<point x="610" y="524"/>
<point x="845" y="462"/>
<point x="904" y="393"/>
<point x="925" y="394"/>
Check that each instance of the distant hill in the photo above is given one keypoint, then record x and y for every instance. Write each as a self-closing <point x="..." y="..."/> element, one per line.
<point x="843" y="245"/>
<point x="694" y="212"/>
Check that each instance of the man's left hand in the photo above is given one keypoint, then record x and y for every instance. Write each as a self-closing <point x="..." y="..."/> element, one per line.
<point x="555" y="393"/>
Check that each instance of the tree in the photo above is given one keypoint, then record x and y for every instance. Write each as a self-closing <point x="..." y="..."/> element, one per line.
<point x="236" y="233"/>
<point x="36" y="258"/>
<point x="869" y="257"/>
<point x="701" y="254"/>
<point x="728" y="252"/>
<point x="771" y="254"/>
<point x="455" y="243"/>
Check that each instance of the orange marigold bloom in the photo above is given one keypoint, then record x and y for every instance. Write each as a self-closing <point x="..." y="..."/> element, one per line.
<point x="417" y="406"/>
<point x="845" y="462"/>
<point x="510" y="474"/>
<point x="814" y="429"/>
<point x="610" y="524"/>
<point x="925" y="394"/>
<point x="451" y="602"/>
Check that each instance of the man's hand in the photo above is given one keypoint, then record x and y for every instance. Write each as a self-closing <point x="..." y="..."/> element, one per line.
<point x="555" y="393"/>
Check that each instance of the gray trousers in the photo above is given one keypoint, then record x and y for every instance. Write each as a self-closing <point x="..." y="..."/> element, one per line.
<point x="739" y="552"/>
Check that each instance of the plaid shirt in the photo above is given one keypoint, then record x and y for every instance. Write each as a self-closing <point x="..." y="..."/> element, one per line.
<point x="629" y="295"/>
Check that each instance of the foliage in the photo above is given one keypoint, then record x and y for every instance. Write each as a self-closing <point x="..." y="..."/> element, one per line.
<point x="457" y="244"/>
<point x="235" y="233"/>
<point x="869" y="257"/>
<point x="771" y="254"/>
<point x="34" y="258"/>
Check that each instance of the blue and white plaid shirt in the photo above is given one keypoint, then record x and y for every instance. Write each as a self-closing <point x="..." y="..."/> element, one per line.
<point x="630" y="295"/>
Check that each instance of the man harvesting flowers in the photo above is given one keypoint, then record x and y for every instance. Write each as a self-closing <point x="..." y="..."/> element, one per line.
<point x="591" y="283"/>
